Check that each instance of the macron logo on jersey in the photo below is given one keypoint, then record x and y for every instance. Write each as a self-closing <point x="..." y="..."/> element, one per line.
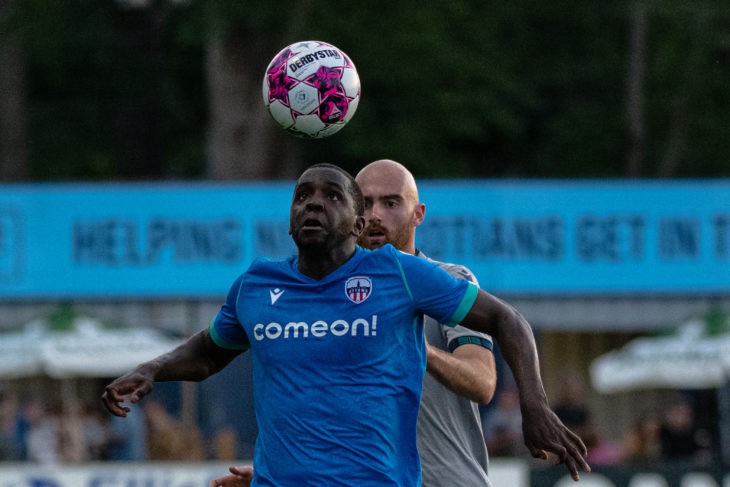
<point x="275" y="294"/>
<point x="358" y="288"/>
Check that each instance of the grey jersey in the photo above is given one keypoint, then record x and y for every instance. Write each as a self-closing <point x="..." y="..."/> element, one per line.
<point x="450" y="438"/>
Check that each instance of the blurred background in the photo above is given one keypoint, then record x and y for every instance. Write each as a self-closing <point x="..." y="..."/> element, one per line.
<point x="550" y="111"/>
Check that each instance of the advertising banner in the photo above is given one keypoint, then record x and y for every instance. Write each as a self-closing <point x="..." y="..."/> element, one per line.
<point x="192" y="240"/>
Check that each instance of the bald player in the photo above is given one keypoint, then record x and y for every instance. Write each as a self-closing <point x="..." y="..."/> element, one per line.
<point x="461" y="369"/>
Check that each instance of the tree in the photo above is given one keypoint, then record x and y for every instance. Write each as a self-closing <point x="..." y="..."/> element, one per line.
<point x="451" y="88"/>
<point x="241" y="142"/>
<point x="13" y="130"/>
<point x="635" y="90"/>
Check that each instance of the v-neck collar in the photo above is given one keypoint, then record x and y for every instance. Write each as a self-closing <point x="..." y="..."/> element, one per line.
<point x="343" y="269"/>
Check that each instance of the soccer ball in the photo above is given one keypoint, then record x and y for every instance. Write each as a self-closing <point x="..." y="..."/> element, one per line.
<point x="311" y="89"/>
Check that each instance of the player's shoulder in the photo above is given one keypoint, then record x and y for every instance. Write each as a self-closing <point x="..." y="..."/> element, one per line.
<point x="266" y="266"/>
<point x="457" y="270"/>
<point x="385" y="250"/>
<point x="261" y="263"/>
<point x="386" y="253"/>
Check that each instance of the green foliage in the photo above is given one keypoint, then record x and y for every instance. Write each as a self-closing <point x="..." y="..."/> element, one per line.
<point x="450" y="88"/>
<point x="62" y="318"/>
<point x="111" y="96"/>
<point x="716" y="323"/>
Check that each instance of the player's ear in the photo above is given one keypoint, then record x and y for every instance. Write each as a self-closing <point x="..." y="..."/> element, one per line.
<point x="358" y="226"/>
<point x="419" y="214"/>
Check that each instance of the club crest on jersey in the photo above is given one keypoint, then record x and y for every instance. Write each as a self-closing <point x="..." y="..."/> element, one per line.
<point x="358" y="288"/>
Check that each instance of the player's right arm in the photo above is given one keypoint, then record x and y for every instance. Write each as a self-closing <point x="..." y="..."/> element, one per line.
<point x="196" y="359"/>
<point x="468" y="371"/>
<point x="239" y="477"/>
<point x="201" y="356"/>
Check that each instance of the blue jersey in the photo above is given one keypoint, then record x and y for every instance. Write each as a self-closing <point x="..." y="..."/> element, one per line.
<point x="338" y="364"/>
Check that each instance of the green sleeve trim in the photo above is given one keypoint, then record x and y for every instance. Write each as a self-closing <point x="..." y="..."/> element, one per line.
<point x="222" y="342"/>
<point x="466" y="303"/>
<point x="403" y="276"/>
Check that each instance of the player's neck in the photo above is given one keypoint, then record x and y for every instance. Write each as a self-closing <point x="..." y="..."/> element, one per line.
<point x="409" y="248"/>
<point x="317" y="264"/>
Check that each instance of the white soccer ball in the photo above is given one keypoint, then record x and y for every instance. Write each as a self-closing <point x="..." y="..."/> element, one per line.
<point x="311" y="89"/>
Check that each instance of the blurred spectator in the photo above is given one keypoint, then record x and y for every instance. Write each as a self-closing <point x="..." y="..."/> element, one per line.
<point x="169" y="439"/>
<point x="95" y="434"/>
<point x="503" y="426"/>
<point x="72" y="444"/>
<point x="641" y="445"/>
<point x="82" y="436"/>
<point x="572" y="409"/>
<point x="680" y="440"/>
<point x="224" y="445"/>
<point x="127" y="437"/>
<point x="603" y="452"/>
<point x="42" y="435"/>
<point x="11" y="446"/>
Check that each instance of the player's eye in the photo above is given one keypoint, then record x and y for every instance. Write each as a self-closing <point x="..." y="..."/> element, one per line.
<point x="391" y="204"/>
<point x="334" y="196"/>
<point x="301" y="196"/>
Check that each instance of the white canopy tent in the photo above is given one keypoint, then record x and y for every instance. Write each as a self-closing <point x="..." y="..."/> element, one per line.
<point x="85" y="348"/>
<point x="696" y="355"/>
<point x="68" y="346"/>
<point x="688" y="359"/>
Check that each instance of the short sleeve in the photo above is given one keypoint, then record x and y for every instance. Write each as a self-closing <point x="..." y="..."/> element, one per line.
<point x="225" y="329"/>
<point x="457" y="336"/>
<point x="434" y="291"/>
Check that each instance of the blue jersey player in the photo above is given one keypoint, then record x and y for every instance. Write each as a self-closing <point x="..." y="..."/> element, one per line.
<point x="336" y="334"/>
<point x="324" y="354"/>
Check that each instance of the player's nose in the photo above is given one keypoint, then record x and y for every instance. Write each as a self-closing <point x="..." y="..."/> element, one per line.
<point x="373" y="214"/>
<point x="315" y="202"/>
<point x="314" y="205"/>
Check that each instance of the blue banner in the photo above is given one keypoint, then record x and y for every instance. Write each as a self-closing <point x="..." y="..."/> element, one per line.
<point x="521" y="237"/>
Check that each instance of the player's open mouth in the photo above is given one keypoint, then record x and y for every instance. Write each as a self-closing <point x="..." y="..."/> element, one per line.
<point x="376" y="232"/>
<point x="376" y="237"/>
<point x="312" y="224"/>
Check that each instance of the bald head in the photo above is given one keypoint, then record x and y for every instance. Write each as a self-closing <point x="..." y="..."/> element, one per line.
<point x="392" y="209"/>
<point x="388" y="171"/>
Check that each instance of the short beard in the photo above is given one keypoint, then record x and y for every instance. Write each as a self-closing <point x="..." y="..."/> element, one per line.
<point x="398" y="239"/>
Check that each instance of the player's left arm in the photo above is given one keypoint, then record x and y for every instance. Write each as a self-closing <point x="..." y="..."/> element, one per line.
<point x="469" y="371"/>
<point x="543" y="431"/>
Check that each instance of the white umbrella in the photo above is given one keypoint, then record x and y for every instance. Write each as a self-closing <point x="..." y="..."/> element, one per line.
<point x="72" y="347"/>
<point x="695" y="356"/>
<point x="690" y="358"/>
<point x="85" y="348"/>
<point x="19" y="353"/>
